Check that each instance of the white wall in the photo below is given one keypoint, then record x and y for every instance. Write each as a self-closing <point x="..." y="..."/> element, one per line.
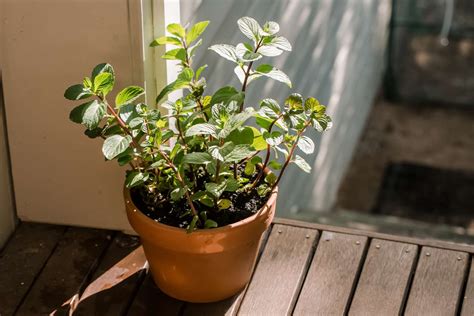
<point x="338" y="57"/>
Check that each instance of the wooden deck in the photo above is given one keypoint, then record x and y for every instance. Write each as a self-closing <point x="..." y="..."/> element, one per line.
<point x="303" y="269"/>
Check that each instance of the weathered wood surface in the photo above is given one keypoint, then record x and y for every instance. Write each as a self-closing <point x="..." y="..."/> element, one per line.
<point x="22" y="259"/>
<point x="438" y="282"/>
<point x="278" y="277"/>
<point x="384" y="279"/>
<point x="67" y="270"/>
<point x="338" y="257"/>
<point x="302" y="269"/>
<point x="468" y="299"/>
<point x="113" y="301"/>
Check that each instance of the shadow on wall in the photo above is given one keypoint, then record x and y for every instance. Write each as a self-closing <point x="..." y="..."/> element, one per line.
<point x="338" y="57"/>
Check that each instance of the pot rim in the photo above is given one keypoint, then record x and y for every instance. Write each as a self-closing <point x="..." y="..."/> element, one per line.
<point x="203" y="231"/>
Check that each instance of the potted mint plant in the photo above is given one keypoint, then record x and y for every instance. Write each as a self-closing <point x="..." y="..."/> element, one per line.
<point x="203" y="173"/>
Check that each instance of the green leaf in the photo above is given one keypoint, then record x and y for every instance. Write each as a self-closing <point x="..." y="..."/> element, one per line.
<point x="128" y="112"/>
<point x="273" y="139"/>
<point x="166" y="40"/>
<point x="177" y="194"/>
<point x="175" y="85"/>
<point x="271" y="104"/>
<point x="93" y="113"/>
<point x="199" y="71"/>
<point x="311" y="104"/>
<point x="270" y="51"/>
<point x="249" y="168"/>
<point x="275" y="165"/>
<point x="259" y="142"/>
<point x="271" y="27"/>
<point x="322" y="123"/>
<point x="128" y="94"/>
<point x="197" y="158"/>
<point x="274" y="73"/>
<point x="302" y="164"/>
<point x="77" y="92"/>
<point x="232" y="185"/>
<point x="216" y="189"/>
<point x="270" y="178"/>
<point x="175" y="54"/>
<point x="281" y="43"/>
<point x="196" y="31"/>
<point x="115" y="145"/>
<point x="93" y="133"/>
<point x="250" y="28"/>
<point x="246" y="55"/>
<point x="103" y="83"/>
<point x="202" y="129"/>
<point x="176" y="29"/>
<point x="226" y="51"/>
<point x="223" y="95"/>
<point x="224" y="204"/>
<point x="240" y="152"/>
<point x="209" y="223"/>
<point x="294" y="101"/>
<point x="242" y="72"/>
<point x="135" y="178"/>
<point x="242" y="136"/>
<point x="306" y="144"/>
<point x="101" y="68"/>
<point x="87" y="83"/>
<point x="235" y="121"/>
<point x="90" y="114"/>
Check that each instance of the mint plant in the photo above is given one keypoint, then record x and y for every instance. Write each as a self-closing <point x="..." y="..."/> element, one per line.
<point x="208" y="151"/>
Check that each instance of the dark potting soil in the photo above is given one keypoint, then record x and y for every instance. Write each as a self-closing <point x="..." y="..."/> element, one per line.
<point x="166" y="211"/>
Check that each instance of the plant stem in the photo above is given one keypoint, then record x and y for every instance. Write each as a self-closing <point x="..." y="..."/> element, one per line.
<point x="267" y="156"/>
<point x="247" y="73"/>
<point x="180" y="179"/>
<point x="290" y="154"/>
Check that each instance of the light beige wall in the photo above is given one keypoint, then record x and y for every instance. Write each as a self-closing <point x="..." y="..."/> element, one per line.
<point x="59" y="174"/>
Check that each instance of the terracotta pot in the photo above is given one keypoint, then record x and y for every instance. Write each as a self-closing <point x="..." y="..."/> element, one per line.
<point x="207" y="265"/>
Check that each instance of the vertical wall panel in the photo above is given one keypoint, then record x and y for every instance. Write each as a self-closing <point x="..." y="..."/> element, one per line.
<point x="60" y="175"/>
<point x="338" y="57"/>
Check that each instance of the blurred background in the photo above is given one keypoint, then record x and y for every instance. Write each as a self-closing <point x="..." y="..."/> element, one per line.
<point x="397" y="77"/>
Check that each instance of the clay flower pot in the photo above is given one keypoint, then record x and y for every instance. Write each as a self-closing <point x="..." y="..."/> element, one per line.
<point x="206" y="265"/>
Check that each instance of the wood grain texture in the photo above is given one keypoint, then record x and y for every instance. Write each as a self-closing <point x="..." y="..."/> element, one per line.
<point x="67" y="270"/>
<point x="409" y="240"/>
<point x="338" y="257"/>
<point x="438" y="282"/>
<point x="468" y="298"/>
<point x="22" y="259"/>
<point x="384" y="280"/>
<point x="278" y="277"/>
<point x="115" y="300"/>
<point x="151" y="301"/>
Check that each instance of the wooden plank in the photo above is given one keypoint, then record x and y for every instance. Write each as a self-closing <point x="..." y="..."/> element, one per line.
<point x="22" y="259"/>
<point x="332" y="275"/>
<point x="409" y="240"/>
<point x="384" y="280"/>
<point x="229" y="306"/>
<point x="278" y="277"/>
<point x="66" y="271"/>
<point x="115" y="300"/>
<point x="151" y="301"/>
<point x="438" y="282"/>
<point x="468" y="299"/>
